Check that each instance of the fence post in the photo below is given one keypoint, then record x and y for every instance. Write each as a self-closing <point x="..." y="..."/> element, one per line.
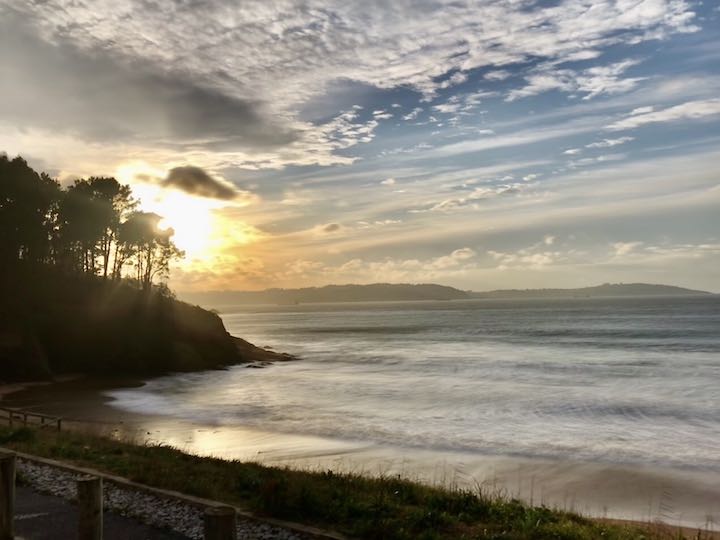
<point x="220" y="523"/>
<point x="7" y="495"/>
<point x="59" y="424"/>
<point x="90" y="508"/>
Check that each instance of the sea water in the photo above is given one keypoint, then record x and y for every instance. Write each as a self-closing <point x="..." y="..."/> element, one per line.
<point x="617" y="380"/>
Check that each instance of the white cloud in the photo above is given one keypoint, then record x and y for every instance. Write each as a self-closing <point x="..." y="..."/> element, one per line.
<point x="591" y="82"/>
<point x="385" y="44"/>
<point x="649" y="253"/>
<point x="623" y="248"/>
<point x="572" y="151"/>
<point x="608" y="143"/>
<point x="358" y="270"/>
<point x="241" y="51"/>
<point x="498" y="75"/>
<point x="412" y="115"/>
<point x="382" y="115"/>
<point x="462" y="104"/>
<point x="691" y="110"/>
<point x="531" y="258"/>
<point x="473" y="198"/>
<point x="388" y="182"/>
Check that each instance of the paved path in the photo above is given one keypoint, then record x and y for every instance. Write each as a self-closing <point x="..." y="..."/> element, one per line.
<point x="44" y="517"/>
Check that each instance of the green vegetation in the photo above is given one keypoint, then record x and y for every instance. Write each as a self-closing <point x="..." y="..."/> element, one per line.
<point x="358" y="506"/>
<point x="76" y="285"/>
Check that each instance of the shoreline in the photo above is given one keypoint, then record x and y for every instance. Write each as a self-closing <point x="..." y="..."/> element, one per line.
<point x="600" y="490"/>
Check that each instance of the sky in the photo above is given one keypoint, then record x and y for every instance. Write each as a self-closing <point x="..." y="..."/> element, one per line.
<point x="483" y="145"/>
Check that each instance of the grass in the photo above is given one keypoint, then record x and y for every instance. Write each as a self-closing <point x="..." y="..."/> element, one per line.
<point x="358" y="506"/>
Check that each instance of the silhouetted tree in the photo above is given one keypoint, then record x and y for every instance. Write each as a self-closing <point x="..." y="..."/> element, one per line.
<point x="149" y="246"/>
<point x="90" y="215"/>
<point x="89" y="228"/>
<point x="114" y="203"/>
<point x="28" y="204"/>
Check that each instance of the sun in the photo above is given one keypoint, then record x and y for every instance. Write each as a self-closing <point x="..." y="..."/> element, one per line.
<point x="201" y="227"/>
<point x="192" y="219"/>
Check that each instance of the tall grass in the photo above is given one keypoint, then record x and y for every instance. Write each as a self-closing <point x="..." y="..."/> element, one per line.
<point x="386" y="507"/>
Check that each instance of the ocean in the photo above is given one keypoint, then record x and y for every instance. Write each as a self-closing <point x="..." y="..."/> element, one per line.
<point x="628" y="381"/>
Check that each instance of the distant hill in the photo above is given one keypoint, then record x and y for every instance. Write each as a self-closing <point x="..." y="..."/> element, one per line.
<point x="378" y="292"/>
<point x="605" y="290"/>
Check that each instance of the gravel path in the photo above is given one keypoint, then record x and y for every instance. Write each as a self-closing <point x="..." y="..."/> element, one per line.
<point x="164" y="513"/>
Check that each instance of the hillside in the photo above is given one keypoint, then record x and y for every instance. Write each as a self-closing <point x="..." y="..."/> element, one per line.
<point x="605" y="290"/>
<point x="52" y="324"/>
<point x="379" y="292"/>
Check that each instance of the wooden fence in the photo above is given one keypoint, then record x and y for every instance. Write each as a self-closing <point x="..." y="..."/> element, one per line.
<point x="219" y="521"/>
<point x="26" y="418"/>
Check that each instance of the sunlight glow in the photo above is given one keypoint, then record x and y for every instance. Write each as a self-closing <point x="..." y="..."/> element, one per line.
<point x="199" y="229"/>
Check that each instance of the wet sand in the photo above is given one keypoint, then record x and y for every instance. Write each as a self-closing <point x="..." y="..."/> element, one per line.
<point x="677" y="497"/>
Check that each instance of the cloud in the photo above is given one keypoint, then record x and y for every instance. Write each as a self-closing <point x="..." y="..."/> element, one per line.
<point x="100" y="95"/>
<point x="388" y="182"/>
<point x="384" y="44"/>
<point x="623" y="248"/>
<point x="592" y="82"/>
<point x="412" y="115"/>
<point x="608" y="143"/>
<point x="525" y="259"/>
<point x="170" y="82"/>
<point x="473" y="198"/>
<point x="498" y="75"/>
<point x="647" y="252"/>
<point x="463" y="103"/>
<point x="331" y="227"/>
<point x="691" y="110"/>
<point x="368" y="44"/>
<point x="358" y="270"/>
<point x="196" y="181"/>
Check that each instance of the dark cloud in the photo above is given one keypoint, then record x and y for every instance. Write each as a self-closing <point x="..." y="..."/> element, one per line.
<point x="97" y="95"/>
<point x="196" y="181"/>
<point x="331" y="227"/>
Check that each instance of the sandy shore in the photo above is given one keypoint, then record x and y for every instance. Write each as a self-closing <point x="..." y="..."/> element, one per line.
<point x="677" y="497"/>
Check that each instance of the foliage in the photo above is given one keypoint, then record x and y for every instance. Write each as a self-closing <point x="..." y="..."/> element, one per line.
<point x="363" y="507"/>
<point x="53" y="323"/>
<point x="92" y="227"/>
<point x="68" y="300"/>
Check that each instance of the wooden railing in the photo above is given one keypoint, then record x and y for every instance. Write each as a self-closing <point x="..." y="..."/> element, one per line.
<point x="220" y="522"/>
<point x="28" y="418"/>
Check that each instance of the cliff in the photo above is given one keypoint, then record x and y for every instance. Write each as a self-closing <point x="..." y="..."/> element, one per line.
<point x="52" y="324"/>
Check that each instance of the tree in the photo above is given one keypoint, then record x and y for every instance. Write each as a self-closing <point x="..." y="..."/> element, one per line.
<point x="114" y="202"/>
<point x="28" y="202"/>
<point x="91" y="227"/>
<point x="150" y="247"/>
<point x="90" y="215"/>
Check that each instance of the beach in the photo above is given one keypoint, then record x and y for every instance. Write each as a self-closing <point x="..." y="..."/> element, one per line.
<point x="674" y="496"/>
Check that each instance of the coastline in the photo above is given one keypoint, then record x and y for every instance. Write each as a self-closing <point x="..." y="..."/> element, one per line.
<point x="612" y="491"/>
